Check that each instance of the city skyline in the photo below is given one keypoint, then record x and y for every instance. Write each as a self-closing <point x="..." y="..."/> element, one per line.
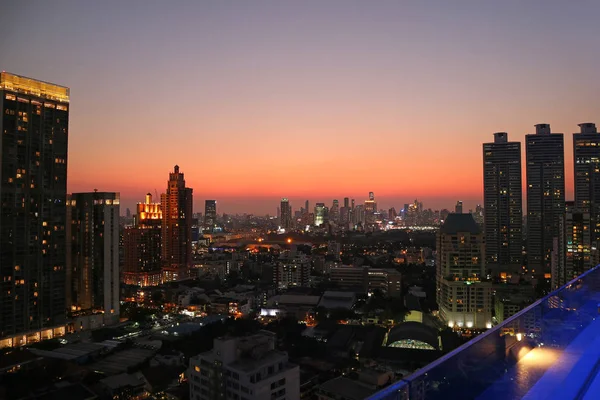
<point x="356" y="106"/>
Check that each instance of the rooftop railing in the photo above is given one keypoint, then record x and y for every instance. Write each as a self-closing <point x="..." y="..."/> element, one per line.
<point x="550" y="349"/>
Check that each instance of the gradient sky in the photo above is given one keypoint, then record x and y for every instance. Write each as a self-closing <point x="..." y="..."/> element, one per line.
<point x="257" y="100"/>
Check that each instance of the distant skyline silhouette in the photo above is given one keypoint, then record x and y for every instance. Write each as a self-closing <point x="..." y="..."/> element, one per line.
<point x="320" y="100"/>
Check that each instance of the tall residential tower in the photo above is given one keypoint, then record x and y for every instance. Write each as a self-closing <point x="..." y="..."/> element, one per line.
<point x="93" y="254"/>
<point x="545" y="196"/>
<point x="285" y="215"/>
<point x="586" y="158"/>
<point x="34" y="124"/>
<point x="502" y="203"/>
<point x="210" y="214"/>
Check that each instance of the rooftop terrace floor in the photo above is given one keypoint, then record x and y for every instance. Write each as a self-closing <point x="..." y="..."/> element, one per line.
<point x="548" y="373"/>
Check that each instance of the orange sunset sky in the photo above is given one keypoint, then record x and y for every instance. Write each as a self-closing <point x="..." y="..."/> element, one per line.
<point x="261" y="100"/>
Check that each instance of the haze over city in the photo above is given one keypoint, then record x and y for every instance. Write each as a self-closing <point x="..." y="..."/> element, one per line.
<point x="319" y="100"/>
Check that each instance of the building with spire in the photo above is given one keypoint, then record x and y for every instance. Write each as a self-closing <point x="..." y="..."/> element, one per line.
<point x="370" y="209"/>
<point x="176" y="205"/>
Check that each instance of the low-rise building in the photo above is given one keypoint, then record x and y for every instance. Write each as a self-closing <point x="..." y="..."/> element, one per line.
<point x="363" y="279"/>
<point x="294" y="305"/>
<point x="134" y="385"/>
<point x="244" y="368"/>
<point x="342" y="388"/>
<point x="388" y="280"/>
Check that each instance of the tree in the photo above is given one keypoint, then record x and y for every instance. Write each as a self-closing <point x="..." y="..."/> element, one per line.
<point x="135" y="313"/>
<point x="157" y="298"/>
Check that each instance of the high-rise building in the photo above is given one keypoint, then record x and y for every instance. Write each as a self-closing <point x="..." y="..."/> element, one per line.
<point x="458" y="208"/>
<point x="319" y="214"/>
<point x="503" y="203"/>
<point x="352" y="212"/>
<point x="142" y="246"/>
<point x="176" y="207"/>
<point x="586" y="157"/>
<point x="210" y="214"/>
<point x="545" y="196"/>
<point x="344" y="216"/>
<point x="34" y="123"/>
<point x="285" y="220"/>
<point x="573" y="250"/>
<point x="93" y="254"/>
<point x="244" y="368"/>
<point x="346" y="202"/>
<point x="464" y="299"/>
<point x="479" y="215"/>
<point x="334" y="213"/>
<point x="358" y="215"/>
<point x="370" y="209"/>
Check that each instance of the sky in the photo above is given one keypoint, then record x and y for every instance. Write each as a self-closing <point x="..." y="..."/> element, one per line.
<point x="258" y="100"/>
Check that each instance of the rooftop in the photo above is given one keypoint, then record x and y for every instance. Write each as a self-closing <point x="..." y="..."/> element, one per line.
<point x="122" y="361"/>
<point x="16" y="357"/>
<point x="74" y="392"/>
<point x="123" y="380"/>
<point x="333" y="300"/>
<point x="456" y="223"/>
<point x="298" y="299"/>
<point x="251" y="364"/>
<point x="346" y="388"/>
<point x="549" y="350"/>
<point x="72" y="351"/>
<point x="29" y="86"/>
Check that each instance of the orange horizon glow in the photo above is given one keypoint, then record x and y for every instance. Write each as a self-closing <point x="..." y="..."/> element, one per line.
<point x="305" y="100"/>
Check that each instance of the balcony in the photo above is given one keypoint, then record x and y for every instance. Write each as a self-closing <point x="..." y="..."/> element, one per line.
<point x="550" y="350"/>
